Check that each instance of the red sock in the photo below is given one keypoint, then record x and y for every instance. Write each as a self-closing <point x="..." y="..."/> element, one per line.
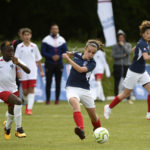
<point x="96" y="124"/>
<point x="114" y="102"/>
<point x="78" y="119"/>
<point x="148" y="102"/>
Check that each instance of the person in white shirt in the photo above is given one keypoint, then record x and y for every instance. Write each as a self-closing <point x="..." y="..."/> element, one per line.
<point x="97" y="75"/>
<point x="29" y="53"/>
<point x="8" y="89"/>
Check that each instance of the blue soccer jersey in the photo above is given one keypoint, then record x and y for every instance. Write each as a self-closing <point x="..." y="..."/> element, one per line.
<point x="138" y="63"/>
<point x="77" y="79"/>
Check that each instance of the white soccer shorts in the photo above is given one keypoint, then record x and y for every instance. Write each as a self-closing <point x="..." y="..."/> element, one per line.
<point x="132" y="78"/>
<point x="84" y="96"/>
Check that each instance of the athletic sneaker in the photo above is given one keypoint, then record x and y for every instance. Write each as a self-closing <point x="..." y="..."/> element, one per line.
<point x="29" y="112"/>
<point x="148" y="116"/>
<point x="80" y="133"/>
<point x="6" y="132"/>
<point x="20" y="133"/>
<point x="107" y="111"/>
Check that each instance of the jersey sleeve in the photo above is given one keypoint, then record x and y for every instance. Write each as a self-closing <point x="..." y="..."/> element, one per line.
<point x="90" y="66"/>
<point x="143" y="48"/>
<point x="38" y="56"/>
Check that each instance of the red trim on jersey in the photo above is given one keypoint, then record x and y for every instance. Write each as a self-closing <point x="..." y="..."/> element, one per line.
<point x="28" y="83"/>
<point x="99" y="76"/>
<point x="22" y="45"/>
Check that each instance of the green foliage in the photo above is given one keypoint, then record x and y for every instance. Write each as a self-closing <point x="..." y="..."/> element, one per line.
<point x="78" y="19"/>
<point x="52" y="128"/>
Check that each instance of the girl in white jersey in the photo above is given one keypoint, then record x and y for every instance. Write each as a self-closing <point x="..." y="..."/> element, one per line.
<point x="78" y="88"/>
<point x="29" y="53"/>
<point x="8" y="89"/>
<point x="136" y="72"/>
<point x="97" y="75"/>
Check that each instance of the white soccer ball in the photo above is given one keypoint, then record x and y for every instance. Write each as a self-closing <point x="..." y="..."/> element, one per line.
<point x="101" y="135"/>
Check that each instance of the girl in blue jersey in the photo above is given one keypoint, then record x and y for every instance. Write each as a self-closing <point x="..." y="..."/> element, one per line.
<point x="77" y="88"/>
<point x="136" y="72"/>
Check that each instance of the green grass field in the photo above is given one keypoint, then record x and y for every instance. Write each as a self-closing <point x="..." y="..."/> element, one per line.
<point x="51" y="128"/>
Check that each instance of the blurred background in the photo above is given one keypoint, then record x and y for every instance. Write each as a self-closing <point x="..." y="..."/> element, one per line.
<point x="78" y="19"/>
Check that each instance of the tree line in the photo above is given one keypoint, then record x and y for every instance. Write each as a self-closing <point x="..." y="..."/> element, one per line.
<point x="78" y="19"/>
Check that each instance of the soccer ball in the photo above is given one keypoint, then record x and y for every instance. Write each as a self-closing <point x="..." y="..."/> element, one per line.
<point x="101" y="135"/>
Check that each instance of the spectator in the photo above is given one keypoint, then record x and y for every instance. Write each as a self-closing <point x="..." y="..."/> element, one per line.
<point x="53" y="46"/>
<point x="121" y="54"/>
<point x="29" y="53"/>
<point x="16" y="42"/>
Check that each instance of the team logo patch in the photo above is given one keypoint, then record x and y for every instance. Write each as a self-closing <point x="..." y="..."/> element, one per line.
<point x="11" y="66"/>
<point x="31" y="50"/>
<point x="85" y="63"/>
<point x="144" y="49"/>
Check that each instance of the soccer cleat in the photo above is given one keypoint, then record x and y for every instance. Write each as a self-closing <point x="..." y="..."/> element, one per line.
<point x="148" y="116"/>
<point x="80" y="133"/>
<point x="107" y="111"/>
<point x="130" y="102"/>
<point x="20" y="133"/>
<point x="6" y="132"/>
<point x="29" y="112"/>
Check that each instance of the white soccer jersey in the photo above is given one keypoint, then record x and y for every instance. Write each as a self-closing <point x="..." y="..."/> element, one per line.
<point x="7" y="76"/>
<point x="101" y="63"/>
<point x="29" y="55"/>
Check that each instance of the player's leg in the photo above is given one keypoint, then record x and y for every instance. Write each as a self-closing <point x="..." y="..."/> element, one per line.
<point x="129" y="83"/>
<point x="88" y="102"/>
<point x="25" y="93"/>
<point x="30" y="98"/>
<point x="147" y="87"/>
<point x="15" y="102"/>
<point x="145" y="81"/>
<point x="79" y="130"/>
<point x="58" y="75"/>
<point x="7" y="124"/>
<point x="117" y="100"/>
<point x="94" y="118"/>
<point x="100" y="93"/>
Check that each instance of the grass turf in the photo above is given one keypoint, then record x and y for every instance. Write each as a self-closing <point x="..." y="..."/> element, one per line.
<point x="51" y="128"/>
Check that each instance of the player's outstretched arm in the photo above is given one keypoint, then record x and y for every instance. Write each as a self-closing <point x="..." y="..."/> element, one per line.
<point x="22" y="66"/>
<point x="146" y="56"/>
<point x="74" y="65"/>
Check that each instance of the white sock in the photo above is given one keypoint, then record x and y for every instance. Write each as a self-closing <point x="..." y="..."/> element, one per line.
<point x="25" y="99"/>
<point x="100" y="93"/>
<point x="30" y="100"/>
<point x="18" y="115"/>
<point x="10" y="119"/>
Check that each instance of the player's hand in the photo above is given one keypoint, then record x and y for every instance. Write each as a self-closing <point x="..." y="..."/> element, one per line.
<point x="65" y="56"/>
<point x="121" y="43"/>
<point x="42" y="74"/>
<point x="15" y="60"/>
<point x="69" y="53"/>
<point x="55" y="57"/>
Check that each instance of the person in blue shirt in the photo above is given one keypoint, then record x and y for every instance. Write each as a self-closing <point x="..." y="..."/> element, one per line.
<point x="53" y="46"/>
<point x="78" y="88"/>
<point x="136" y="72"/>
